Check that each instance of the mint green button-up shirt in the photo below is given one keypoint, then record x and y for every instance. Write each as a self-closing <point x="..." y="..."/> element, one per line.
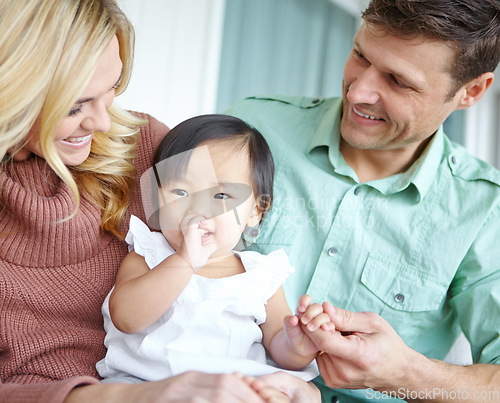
<point x="420" y="248"/>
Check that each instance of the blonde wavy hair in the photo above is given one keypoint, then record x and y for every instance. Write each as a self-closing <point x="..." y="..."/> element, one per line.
<point x="49" y="50"/>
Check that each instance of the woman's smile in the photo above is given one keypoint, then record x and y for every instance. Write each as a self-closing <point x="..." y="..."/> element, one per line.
<point x="78" y="142"/>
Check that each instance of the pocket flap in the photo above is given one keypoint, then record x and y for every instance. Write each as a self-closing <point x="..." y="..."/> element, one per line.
<point x="403" y="288"/>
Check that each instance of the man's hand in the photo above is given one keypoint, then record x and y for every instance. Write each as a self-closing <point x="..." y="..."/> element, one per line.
<point x="363" y="352"/>
<point x="366" y="352"/>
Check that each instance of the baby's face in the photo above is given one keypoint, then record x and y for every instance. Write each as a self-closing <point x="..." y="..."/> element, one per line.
<point x="215" y="190"/>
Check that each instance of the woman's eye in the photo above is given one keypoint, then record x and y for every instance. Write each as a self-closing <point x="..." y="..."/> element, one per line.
<point x="180" y="192"/>
<point x="75" y="111"/>
<point x="221" y="196"/>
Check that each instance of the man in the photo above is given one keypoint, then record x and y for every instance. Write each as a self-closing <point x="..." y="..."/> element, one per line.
<point x="385" y="218"/>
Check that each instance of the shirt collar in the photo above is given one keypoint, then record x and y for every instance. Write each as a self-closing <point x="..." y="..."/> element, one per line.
<point x="421" y="174"/>
<point x="328" y="135"/>
<point x="424" y="170"/>
<point x="328" y="131"/>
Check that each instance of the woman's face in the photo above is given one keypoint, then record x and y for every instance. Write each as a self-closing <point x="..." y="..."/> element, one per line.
<point x="73" y="138"/>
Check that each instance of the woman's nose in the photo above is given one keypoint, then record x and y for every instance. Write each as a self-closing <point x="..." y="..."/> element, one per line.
<point x="98" y="119"/>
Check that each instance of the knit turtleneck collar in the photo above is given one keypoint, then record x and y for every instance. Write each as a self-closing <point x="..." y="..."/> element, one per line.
<point x="34" y="230"/>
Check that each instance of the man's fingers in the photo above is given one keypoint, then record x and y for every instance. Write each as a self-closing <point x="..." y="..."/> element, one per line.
<point x="335" y="343"/>
<point x="326" y="368"/>
<point x="351" y="322"/>
<point x="323" y="321"/>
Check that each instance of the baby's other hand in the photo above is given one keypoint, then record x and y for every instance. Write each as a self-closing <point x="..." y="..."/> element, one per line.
<point x="268" y="393"/>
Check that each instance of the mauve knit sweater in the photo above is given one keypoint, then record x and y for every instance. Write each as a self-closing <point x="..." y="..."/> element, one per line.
<point x="54" y="278"/>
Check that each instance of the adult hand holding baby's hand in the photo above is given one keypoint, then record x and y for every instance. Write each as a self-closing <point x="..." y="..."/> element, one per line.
<point x="363" y="352"/>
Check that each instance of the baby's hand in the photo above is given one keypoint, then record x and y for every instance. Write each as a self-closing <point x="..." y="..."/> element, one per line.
<point x="198" y="245"/>
<point x="311" y="317"/>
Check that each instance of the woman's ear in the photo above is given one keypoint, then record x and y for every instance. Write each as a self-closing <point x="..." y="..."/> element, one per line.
<point x="475" y="89"/>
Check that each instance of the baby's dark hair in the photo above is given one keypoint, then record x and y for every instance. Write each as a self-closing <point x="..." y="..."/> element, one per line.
<point x="188" y="135"/>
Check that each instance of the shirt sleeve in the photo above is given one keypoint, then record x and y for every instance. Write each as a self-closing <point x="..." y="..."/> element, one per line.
<point x="476" y="293"/>
<point x="54" y="392"/>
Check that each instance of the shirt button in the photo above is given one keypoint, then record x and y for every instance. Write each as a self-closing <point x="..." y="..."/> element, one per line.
<point x="335" y="399"/>
<point x="332" y="251"/>
<point x="399" y="298"/>
<point x="315" y="101"/>
<point x="357" y="190"/>
<point x="454" y="160"/>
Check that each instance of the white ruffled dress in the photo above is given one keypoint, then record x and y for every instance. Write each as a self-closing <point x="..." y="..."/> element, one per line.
<point x="213" y="326"/>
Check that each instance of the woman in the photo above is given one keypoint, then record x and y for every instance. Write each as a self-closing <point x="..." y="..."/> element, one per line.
<point x="69" y="159"/>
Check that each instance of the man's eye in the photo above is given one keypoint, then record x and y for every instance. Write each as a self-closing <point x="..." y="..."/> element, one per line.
<point x="357" y="54"/>
<point x="398" y="83"/>
<point x="221" y="196"/>
<point x="180" y="192"/>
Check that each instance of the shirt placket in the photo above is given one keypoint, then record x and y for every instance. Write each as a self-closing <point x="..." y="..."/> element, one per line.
<point x="328" y="273"/>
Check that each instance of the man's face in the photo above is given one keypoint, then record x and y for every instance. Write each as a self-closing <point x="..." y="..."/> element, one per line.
<point x="395" y="91"/>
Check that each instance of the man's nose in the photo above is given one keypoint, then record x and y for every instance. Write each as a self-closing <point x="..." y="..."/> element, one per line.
<point x="366" y="88"/>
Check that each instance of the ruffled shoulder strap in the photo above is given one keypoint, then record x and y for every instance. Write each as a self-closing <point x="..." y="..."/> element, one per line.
<point x="273" y="269"/>
<point x="151" y="245"/>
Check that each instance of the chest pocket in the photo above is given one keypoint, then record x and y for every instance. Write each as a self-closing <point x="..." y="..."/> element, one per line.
<point x="403" y="288"/>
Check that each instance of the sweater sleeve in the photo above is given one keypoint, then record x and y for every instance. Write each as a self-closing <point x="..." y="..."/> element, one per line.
<point x="54" y="392"/>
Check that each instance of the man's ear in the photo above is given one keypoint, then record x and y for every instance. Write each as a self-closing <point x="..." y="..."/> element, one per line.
<point x="255" y="217"/>
<point x="474" y="90"/>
